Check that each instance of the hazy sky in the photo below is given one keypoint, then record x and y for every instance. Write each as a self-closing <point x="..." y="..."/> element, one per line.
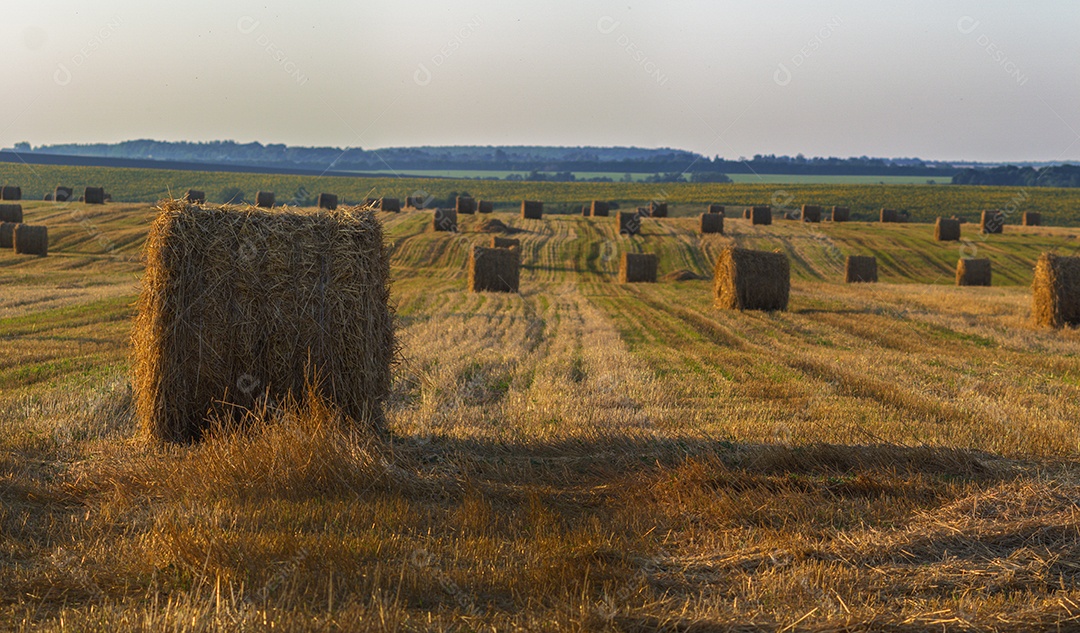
<point x="936" y="79"/>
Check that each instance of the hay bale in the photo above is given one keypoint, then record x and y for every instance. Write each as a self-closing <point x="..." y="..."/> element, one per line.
<point x="810" y="213"/>
<point x="414" y="202"/>
<point x="972" y="272"/>
<point x="1055" y="291"/>
<point x="716" y="208"/>
<point x="751" y="280"/>
<point x="62" y="194"/>
<point x="264" y="199"/>
<point x="712" y="223"/>
<point x="485" y="206"/>
<point x="889" y="215"/>
<point x="992" y="222"/>
<point x="657" y="209"/>
<point x="392" y="205"/>
<point x="747" y="213"/>
<point x="599" y="209"/>
<point x="585" y="210"/>
<point x="194" y="196"/>
<point x="11" y="192"/>
<point x="29" y="239"/>
<point x="465" y="204"/>
<point x="505" y="242"/>
<point x="48" y="197"/>
<point x="947" y="230"/>
<point x="7" y="234"/>
<point x="638" y="268"/>
<point x="840" y="214"/>
<point x="761" y="215"/>
<point x="242" y="306"/>
<point x="93" y="195"/>
<point x="11" y="213"/>
<point x="445" y="220"/>
<point x="860" y="268"/>
<point x="494" y="269"/>
<point x="328" y="201"/>
<point x="629" y="222"/>
<point x="532" y="209"/>
<point x="1030" y="218"/>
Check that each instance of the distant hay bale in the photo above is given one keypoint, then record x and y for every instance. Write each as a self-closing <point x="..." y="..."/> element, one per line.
<point x="494" y="269"/>
<point x="194" y="196"/>
<point x="445" y="220"/>
<point x="465" y="204"/>
<point x="840" y="214"/>
<point x="11" y="213"/>
<point x="392" y="205"/>
<point x="629" y="222"/>
<point x="94" y="195"/>
<point x="48" y="197"/>
<point x="972" y="272"/>
<point x="992" y="222"/>
<point x="585" y="210"/>
<point x="716" y="208"/>
<point x="657" y="209"/>
<point x="328" y="201"/>
<point x="1055" y="291"/>
<point x="242" y="307"/>
<point x="414" y="202"/>
<point x="860" y="268"/>
<point x="599" y="209"/>
<point x="7" y="234"/>
<point x="810" y="213"/>
<point x="264" y="199"/>
<point x="62" y="194"/>
<point x="11" y="192"/>
<point x="485" y="206"/>
<point x="747" y="213"/>
<point x="947" y="230"/>
<point x="532" y="209"/>
<point x="505" y="242"/>
<point x="638" y="268"/>
<point x="889" y="215"/>
<point x="1031" y="218"/>
<point x="761" y="215"/>
<point x="30" y="239"/>
<point x="751" y="280"/>
<point x="712" y="223"/>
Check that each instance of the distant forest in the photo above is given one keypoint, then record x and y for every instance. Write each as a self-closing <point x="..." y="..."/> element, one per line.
<point x="531" y="162"/>
<point x="1012" y="176"/>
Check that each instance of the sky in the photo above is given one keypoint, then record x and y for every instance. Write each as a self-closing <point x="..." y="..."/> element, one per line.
<point x="943" y="80"/>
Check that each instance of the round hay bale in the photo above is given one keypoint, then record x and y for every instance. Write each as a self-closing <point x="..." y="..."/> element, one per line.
<point x="599" y="209"/>
<point x="840" y="214"/>
<point x="29" y="239"/>
<point x="810" y="213"/>
<point x="751" y="280"/>
<point x="761" y="215"/>
<point x="7" y="234"/>
<point x="860" y="269"/>
<point x="889" y="215"/>
<point x="328" y="201"/>
<point x="494" y="269"/>
<point x="629" y="222"/>
<point x="194" y="196"/>
<point x="485" y="206"/>
<point x="62" y="194"/>
<point x="658" y="209"/>
<point x="638" y="268"/>
<point x="972" y="272"/>
<point x="946" y="230"/>
<point x="264" y="199"/>
<point x="11" y="213"/>
<point x="993" y="222"/>
<point x="465" y="204"/>
<point x="93" y="195"/>
<point x="712" y="223"/>
<point x="1030" y="218"/>
<point x="445" y="220"/>
<point x="585" y="210"/>
<point x="532" y="209"/>
<point x="716" y="208"/>
<point x="48" y="197"/>
<point x="11" y="192"/>
<point x="1055" y="291"/>
<point x="391" y="205"/>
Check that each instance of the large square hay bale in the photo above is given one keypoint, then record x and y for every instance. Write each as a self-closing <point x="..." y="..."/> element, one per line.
<point x="465" y="204"/>
<point x="445" y="220"/>
<point x="761" y="215"/>
<point x="860" y="268"/>
<point x="1031" y="218"/>
<point x="485" y="206"/>
<point x="889" y="215"/>
<point x="751" y="280"/>
<point x="264" y="199"/>
<point x="328" y="201"/>
<point x="242" y="306"/>
<point x="194" y="196"/>
<point x="11" y="192"/>
<point x="716" y="208"/>
<point x="657" y="209"/>
<point x="532" y="209"/>
<point x="392" y="205"/>
<point x="94" y="195"/>
<point x="1055" y="292"/>
<point x="7" y="234"/>
<point x="712" y="223"/>
<point x="629" y="222"/>
<point x="28" y="239"/>
<point x="810" y="213"/>
<point x="638" y="268"/>
<point x="972" y="272"/>
<point x="599" y="209"/>
<point x="505" y="242"/>
<point x="62" y="194"/>
<point x="947" y="230"/>
<point x="494" y="269"/>
<point x="11" y="213"/>
<point x="992" y="222"/>
<point x="840" y="214"/>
